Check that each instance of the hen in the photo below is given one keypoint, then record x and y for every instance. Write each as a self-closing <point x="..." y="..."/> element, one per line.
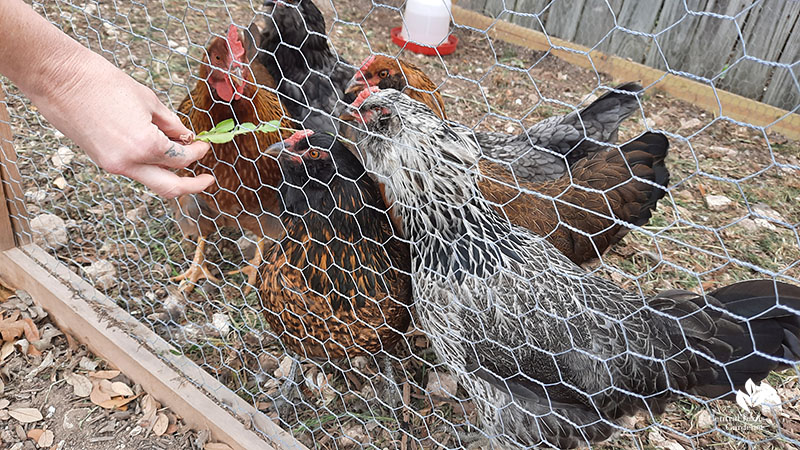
<point x="244" y="193"/>
<point x="544" y="150"/>
<point x="309" y="74"/>
<point x="592" y="209"/>
<point x="336" y="286"/>
<point x="552" y="355"/>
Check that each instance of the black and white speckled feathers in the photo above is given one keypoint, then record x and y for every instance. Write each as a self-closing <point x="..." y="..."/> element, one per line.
<point x="552" y="355"/>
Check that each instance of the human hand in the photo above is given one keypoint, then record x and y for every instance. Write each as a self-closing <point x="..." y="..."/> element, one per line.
<point x="123" y="126"/>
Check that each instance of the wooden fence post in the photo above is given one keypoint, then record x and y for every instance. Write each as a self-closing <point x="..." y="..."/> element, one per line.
<point x="14" y="226"/>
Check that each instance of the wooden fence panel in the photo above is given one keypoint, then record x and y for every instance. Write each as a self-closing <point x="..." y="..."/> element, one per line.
<point x="765" y="32"/>
<point x="699" y="37"/>
<point x="783" y="90"/>
<point x="635" y="16"/>
<point x="563" y="18"/>
<point x="597" y="21"/>
<point x="699" y="44"/>
<point x="531" y="7"/>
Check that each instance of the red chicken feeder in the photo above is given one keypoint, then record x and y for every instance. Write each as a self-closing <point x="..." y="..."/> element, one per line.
<point x="442" y="50"/>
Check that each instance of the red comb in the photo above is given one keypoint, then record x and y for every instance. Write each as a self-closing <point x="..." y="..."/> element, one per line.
<point x="297" y="137"/>
<point x="237" y="49"/>
<point x="367" y="61"/>
<point x="363" y="96"/>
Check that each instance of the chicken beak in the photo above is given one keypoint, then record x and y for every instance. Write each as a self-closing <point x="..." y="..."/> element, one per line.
<point x="352" y="115"/>
<point x="275" y="150"/>
<point x="356" y="84"/>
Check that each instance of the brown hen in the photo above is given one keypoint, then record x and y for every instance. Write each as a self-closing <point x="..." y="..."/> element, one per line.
<point x="390" y="73"/>
<point x="244" y="194"/>
<point x="581" y="214"/>
<point x="337" y="285"/>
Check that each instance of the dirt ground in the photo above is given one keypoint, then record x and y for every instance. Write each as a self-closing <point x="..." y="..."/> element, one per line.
<point x="54" y="394"/>
<point x="489" y="85"/>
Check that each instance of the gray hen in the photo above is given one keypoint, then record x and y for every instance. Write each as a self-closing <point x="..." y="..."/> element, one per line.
<point x="550" y="354"/>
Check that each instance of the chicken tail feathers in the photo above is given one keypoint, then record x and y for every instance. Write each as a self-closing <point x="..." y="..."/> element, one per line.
<point x="650" y="150"/>
<point x="600" y="120"/>
<point x="763" y="329"/>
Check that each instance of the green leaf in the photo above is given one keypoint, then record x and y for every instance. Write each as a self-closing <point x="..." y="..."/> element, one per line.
<point x="217" y="138"/>
<point x="246" y="128"/>
<point x="224" y="126"/>
<point x="270" y="127"/>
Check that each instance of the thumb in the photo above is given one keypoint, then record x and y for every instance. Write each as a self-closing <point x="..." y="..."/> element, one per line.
<point x="169" y="123"/>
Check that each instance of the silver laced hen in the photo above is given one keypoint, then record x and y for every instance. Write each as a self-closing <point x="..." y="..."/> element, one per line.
<point x="551" y="355"/>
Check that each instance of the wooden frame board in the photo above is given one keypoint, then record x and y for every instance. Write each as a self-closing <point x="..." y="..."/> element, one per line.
<point x="14" y="227"/>
<point x="717" y="101"/>
<point x="95" y="320"/>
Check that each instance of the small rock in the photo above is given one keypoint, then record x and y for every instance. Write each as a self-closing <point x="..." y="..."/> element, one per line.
<point x="650" y="123"/>
<point x="36" y="195"/>
<point x="765" y="210"/>
<point x="704" y="420"/>
<point x="441" y="384"/>
<point x="510" y="129"/>
<point x="136" y="213"/>
<point x="749" y="225"/>
<point x="181" y="50"/>
<point x="60" y="183"/>
<point x="718" y="202"/>
<point x="222" y="323"/>
<point x="57" y="134"/>
<point x="73" y="417"/>
<point x="62" y="158"/>
<point x="172" y="44"/>
<point x="691" y="123"/>
<point x="103" y="273"/>
<point x="49" y="230"/>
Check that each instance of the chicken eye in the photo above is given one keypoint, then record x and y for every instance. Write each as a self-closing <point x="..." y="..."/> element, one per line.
<point x="383" y="73"/>
<point x="313" y="154"/>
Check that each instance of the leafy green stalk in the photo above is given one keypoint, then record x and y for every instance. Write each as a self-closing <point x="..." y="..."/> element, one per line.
<point x="226" y="130"/>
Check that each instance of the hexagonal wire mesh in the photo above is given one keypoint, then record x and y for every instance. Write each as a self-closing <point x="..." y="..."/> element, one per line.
<point x="730" y="213"/>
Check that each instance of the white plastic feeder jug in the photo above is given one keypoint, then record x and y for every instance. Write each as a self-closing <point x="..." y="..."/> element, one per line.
<point x="427" y="22"/>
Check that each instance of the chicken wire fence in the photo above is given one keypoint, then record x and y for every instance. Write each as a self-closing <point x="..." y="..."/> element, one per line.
<point x="730" y="214"/>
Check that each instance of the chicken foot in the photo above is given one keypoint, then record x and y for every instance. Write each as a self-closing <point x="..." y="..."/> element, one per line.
<point x="198" y="270"/>
<point x="283" y="402"/>
<point x="251" y="270"/>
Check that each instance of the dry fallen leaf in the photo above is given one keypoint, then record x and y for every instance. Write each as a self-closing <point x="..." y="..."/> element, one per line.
<point x="161" y="424"/>
<point x="117" y="402"/>
<point x="8" y="348"/>
<point x="99" y="394"/>
<point x="4" y="403"/>
<point x="46" y="439"/>
<point x="149" y="408"/>
<point x="121" y="389"/>
<point x="35" y="434"/>
<point x="81" y="386"/>
<point x="6" y="291"/>
<point x="217" y="446"/>
<point x="26" y="415"/>
<point x="104" y="374"/>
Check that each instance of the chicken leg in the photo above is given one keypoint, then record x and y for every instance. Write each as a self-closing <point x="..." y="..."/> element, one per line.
<point x="251" y="270"/>
<point x="198" y="270"/>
